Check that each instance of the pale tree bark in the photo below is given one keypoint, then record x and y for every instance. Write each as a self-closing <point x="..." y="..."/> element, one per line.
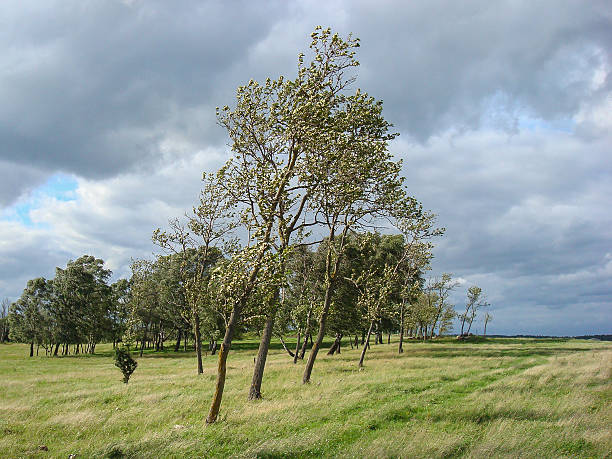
<point x="365" y="347"/>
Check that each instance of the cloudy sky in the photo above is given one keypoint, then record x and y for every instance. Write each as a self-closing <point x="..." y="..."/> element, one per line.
<point x="107" y="120"/>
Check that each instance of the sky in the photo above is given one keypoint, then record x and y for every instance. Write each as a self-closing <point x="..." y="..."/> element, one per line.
<point x="504" y="109"/>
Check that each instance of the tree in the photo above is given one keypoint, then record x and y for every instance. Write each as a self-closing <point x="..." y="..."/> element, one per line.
<point x="418" y="229"/>
<point x="119" y="310"/>
<point x="279" y="130"/>
<point x="125" y="362"/>
<point x="194" y="246"/>
<point x="444" y="311"/>
<point x="26" y="315"/>
<point x="363" y="184"/>
<point x="475" y="301"/>
<point x="488" y="318"/>
<point x="4" y="325"/>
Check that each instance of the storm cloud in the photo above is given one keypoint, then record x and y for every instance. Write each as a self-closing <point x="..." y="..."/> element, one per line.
<point x="504" y="110"/>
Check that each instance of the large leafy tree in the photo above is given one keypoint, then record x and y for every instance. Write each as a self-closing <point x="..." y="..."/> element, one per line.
<point x="82" y="299"/>
<point x="194" y="247"/>
<point x="282" y="137"/>
<point x="27" y="314"/>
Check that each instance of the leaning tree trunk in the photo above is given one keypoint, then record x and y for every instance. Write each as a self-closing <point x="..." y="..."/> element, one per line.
<point x="400" y="349"/>
<point x="213" y="413"/>
<point x="262" y="352"/>
<point x="260" y="362"/>
<point x="320" y="335"/>
<point x="297" y="349"/>
<point x="365" y="347"/>
<point x="306" y="334"/>
<point x="198" y="341"/>
<point x="336" y="346"/>
<point x="289" y="351"/>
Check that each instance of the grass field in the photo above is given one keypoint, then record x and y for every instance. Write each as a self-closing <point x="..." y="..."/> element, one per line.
<point x="493" y="398"/>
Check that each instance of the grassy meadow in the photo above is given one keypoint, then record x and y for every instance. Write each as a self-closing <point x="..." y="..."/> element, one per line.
<point x="490" y="398"/>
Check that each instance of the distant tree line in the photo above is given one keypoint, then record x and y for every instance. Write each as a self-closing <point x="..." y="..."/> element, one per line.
<point x="72" y="312"/>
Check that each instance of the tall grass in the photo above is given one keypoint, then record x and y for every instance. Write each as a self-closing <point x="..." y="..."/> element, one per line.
<point x="495" y="398"/>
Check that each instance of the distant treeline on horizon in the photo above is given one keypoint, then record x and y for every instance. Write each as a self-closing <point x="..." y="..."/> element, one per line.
<point x="599" y="337"/>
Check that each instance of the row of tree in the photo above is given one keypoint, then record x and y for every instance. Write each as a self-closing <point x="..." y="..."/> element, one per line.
<point x="283" y="240"/>
<point x="310" y="167"/>
<point x="77" y="308"/>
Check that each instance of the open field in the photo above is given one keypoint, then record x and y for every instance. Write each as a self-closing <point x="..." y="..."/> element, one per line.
<point x="494" y="398"/>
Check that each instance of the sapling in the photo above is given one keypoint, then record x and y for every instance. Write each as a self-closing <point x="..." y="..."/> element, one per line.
<point x="125" y="362"/>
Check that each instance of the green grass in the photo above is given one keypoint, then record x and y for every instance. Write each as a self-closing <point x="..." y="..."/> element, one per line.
<point x="489" y="398"/>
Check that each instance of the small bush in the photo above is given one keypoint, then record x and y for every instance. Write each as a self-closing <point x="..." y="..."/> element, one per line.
<point x="125" y="362"/>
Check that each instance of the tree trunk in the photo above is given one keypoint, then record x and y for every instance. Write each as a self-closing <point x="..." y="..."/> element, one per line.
<point x="336" y="346"/>
<point x="306" y="334"/>
<point x="213" y="347"/>
<point x="304" y="346"/>
<point x="198" y="341"/>
<point x="367" y="343"/>
<point x="31" y="348"/>
<point x="297" y="348"/>
<point x="357" y="341"/>
<point x="400" y="349"/>
<point x="213" y="413"/>
<point x="262" y="354"/>
<point x="177" y="346"/>
<point x="389" y="339"/>
<point x="289" y="351"/>
<point x="144" y="339"/>
<point x="320" y="335"/>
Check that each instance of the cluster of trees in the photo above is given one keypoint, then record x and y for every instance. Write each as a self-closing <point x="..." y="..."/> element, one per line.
<point x="75" y="310"/>
<point x="310" y="167"/>
<point x="284" y="240"/>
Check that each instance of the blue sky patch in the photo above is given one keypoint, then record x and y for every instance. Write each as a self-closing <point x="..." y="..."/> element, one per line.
<point x="59" y="186"/>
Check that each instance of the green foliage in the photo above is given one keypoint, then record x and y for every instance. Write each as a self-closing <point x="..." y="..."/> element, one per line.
<point x="125" y="362"/>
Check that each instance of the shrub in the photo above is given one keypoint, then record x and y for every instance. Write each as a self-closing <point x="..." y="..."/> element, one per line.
<point x="125" y="362"/>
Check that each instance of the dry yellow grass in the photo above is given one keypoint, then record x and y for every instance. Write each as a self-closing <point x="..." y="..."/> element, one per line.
<point x="496" y="398"/>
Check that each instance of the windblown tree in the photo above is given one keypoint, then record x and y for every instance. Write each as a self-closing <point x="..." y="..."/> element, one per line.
<point x="282" y="135"/>
<point x="487" y="318"/>
<point x="444" y="312"/>
<point x="475" y="301"/>
<point x="195" y="246"/>
<point x="81" y="301"/>
<point x="418" y="228"/>
<point x="364" y="185"/>
<point x="27" y="314"/>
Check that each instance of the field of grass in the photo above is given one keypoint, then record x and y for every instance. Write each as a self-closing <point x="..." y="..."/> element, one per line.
<point x="492" y="398"/>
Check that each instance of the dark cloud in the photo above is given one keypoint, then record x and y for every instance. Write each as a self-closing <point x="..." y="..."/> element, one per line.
<point x="440" y="64"/>
<point x="94" y="88"/>
<point x="504" y="110"/>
